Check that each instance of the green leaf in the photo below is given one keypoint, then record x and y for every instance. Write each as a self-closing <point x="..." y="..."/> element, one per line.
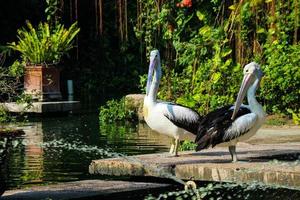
<point x="200" y="16"/>
<point x="232" y="7"/>
<point x="215" y="77"/>
<point x="44" y="44"/>
<point x="205" y="31"/>
<point x="260" y="30"/>
<point x="226" y="52"/>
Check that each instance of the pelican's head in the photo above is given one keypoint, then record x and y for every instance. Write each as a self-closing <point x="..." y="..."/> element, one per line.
<point x="251" y="72"/>
<point x="153" y="66"/>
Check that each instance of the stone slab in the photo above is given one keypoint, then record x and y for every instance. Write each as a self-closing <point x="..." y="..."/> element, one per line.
<point x="43" y="107"/>
<point x="135" y="102"/>
<point x="271" y="164"/>
<point x="87" y="189"/>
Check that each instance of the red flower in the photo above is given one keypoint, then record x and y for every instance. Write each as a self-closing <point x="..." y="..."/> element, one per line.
<point x="185" y="3"/>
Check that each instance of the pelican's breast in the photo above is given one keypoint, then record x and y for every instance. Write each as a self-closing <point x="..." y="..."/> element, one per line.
<point x="154" y="117"/>
<point x="145" y="111"/>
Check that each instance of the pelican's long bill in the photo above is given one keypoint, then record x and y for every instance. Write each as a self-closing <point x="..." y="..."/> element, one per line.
<point x="150" y="74"/>
<point x="243" y="90"/>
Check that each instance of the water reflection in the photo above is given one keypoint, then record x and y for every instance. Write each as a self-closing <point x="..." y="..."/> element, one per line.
<point x="133" y="138"/>
<point x="33" y="162"/>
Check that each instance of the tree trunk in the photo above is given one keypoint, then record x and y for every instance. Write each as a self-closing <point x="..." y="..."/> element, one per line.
<point x="296" y="22"/>
<point x="100" y="17"/>
<point x="96" y="17"/>
<point x="273" y="25"/>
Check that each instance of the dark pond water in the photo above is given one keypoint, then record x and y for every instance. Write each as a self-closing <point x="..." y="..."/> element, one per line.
<point x="60" y="149"/>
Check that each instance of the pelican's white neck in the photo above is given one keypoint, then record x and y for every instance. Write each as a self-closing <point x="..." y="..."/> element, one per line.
<point x="152" y="94"/>
<point x="255" y="107"/>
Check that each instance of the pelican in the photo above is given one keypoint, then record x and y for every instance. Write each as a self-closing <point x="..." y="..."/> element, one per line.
<point x="167" y="118"/>
<point x="231" y="124"/>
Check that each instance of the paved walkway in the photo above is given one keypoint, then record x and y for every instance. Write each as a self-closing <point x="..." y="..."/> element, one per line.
<point x="88" y="189"/>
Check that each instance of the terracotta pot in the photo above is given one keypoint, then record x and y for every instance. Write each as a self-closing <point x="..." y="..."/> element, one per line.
<point x="42" y="82"/>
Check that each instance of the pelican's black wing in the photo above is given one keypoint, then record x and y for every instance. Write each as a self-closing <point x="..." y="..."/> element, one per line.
<point x="212" y="127"/>
<point x="183" y="117"/>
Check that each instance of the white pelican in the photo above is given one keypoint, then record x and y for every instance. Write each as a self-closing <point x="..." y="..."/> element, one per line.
<point x="231" y="124"/>
<point x="167" y="118"/>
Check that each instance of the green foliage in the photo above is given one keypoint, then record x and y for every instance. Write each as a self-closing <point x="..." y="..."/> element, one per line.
<point x="295" y="116"/>
<point x="204" y="76"/>
<point x="213" y="41"/>
<point x="4" y="52"/>
<point x="143" y="81"/>
<point x="187" y="146"/>
<point x="281" y="85"/>
<point x="225" y="191"/>
<point x="148" y="31"/>
<point x="10" y="88"/>
<point x="24" y="99"/>
<point x="52" y="10"/>
<point x="277" y="120"/>
<point x="44" y="44"/>
<point x="17" y="69"/>
<point x="210" y="78"/>
<point x="7" y="117"/>
<point x="114" y="111"/>
<point x="4" y="115"/>
<point x="9" y="85"/>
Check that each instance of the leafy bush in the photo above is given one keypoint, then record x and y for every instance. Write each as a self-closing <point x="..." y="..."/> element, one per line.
<point x="281" y="84"/>
<point x="44" y="45"/>
<point x="115" y="110"/>
<point x="4" y="115"/>
<point x="213" y="41"/>
<point x="17" y="69"/>
<point x="295" y="116"/>
<point x="10" y="85"/>
<point x="187" y="146"/>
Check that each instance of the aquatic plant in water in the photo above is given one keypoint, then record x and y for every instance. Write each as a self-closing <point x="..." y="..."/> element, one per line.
<point x="115" y="110"/>
<point x="231" y="191"/>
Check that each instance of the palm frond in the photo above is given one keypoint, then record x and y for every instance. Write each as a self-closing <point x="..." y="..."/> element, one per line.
<point x="44" y="44"/>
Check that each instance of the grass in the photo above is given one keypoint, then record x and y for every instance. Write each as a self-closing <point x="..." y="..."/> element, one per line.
<point x="278" y="120"/>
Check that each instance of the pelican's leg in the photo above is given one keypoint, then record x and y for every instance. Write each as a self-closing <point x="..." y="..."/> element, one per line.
<point x="175" y="153"/>
<point x="172" y="146"/>
<point x="233" y="153"/>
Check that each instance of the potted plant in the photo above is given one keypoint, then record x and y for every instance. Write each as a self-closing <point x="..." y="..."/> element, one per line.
<point x="42" y="49"/>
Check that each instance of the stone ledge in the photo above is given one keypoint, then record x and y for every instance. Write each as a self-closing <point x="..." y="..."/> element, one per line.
<point x="276" y="164"/>
<point x="135" y="102"/>
<point x="87" y="189"/>
<point x="43" y="107"/>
